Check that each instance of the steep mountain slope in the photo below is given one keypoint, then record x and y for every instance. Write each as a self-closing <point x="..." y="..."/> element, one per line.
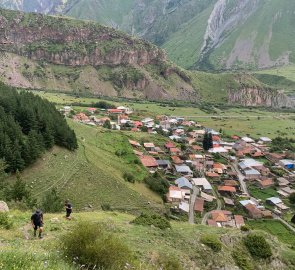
<point x="206" y="34"/>
<point x="62" y="54"/>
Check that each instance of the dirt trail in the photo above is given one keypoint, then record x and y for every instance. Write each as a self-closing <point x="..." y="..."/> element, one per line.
<point x="26" y="231"/>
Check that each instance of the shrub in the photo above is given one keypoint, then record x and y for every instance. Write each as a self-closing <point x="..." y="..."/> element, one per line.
<point x="106" y="207"/>
<point x="158" y="185"/>
<point x="120" y="152"/>
<point x="245" y="228"/>
<point x="52" y="202"/>
<point x="241" y="259"/>
<point x="257" y="246"/>
<point x="168" y="262"/>
<point x="5" y="221"/>
<point x="211" y="241"/>
<point x="129" y="177"/>
<point x="152" y="219"/>
<point x="90" y="244"/>
<point x="292" y="198"/>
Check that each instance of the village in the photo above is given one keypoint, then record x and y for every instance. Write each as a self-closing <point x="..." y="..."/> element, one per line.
<point x="215" y="180"/>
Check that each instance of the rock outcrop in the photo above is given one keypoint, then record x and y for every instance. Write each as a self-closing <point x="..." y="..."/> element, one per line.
<point x="3" y="207"/>
<point x="260" y="97"/>
<point x="67" y="42"/>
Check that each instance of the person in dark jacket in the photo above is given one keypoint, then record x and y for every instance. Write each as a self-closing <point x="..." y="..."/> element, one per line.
<point x="69" y="209"/>
<point x="37" y="222"/>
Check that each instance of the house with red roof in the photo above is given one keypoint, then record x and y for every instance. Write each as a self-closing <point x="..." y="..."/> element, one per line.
<point x="253" y="211"/>
<point x="115" y="111"/>
<point x="227" y="190"/>
<point x="199" y="205"/>
<point x="265" y="183"/>
<point x="170" y="145"/>
<point x="81" y="117"/>
<point x="239" y="220"/>
<point x="91" y="110"/>
<point x="148" y="161"/>
<point x="175" y="151"/>
<point x="176" y="160"/>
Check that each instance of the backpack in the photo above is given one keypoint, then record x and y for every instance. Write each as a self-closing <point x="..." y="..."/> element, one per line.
<point x="37" y="217"/>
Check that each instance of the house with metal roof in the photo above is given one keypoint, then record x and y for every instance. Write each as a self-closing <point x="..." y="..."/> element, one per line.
<point x="183" y="183"/>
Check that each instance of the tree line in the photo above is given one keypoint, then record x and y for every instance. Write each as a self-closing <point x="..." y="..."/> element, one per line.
<point x="29" y="125"/>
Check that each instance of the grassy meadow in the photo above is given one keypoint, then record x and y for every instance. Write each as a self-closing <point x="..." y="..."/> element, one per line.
<point x="93" y="175"/>
<point x="19" y="250"/>
<point x="233" y="120"/>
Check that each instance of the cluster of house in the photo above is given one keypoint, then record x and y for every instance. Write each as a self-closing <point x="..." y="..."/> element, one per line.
<point x="219" y="181"/>
<point x="216" y="180"/>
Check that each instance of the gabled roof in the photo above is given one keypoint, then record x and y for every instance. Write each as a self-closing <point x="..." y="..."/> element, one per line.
<point x="227" y="189"/>
<point x="274" y="200"/>
<point x="231" y="183"/>
<point x="266" y="182"/>
<point x="228" y="201"/>
<point x="207" y="197"/>
<point x="202" y="182"/>
<point x="253" y="209"/>
<point x="219" y="217"/>
<point x="176" y="160"/>
<point x="183" y="169"/>
<point x="183" y="182"/>
<point x="211" y="174"/>
<point x="239" y="220"/>
<point x="134" y="143"/>
<point x="148" y="145"/>
<point x="148" y="161"/>
<point x="175" y="150"/>
<point x="199" y="205"/>
<point x="250" y="162"/>
<point x="252" y="172"/>
<point x="163" y="162"/>
<point x="170" y="145"/>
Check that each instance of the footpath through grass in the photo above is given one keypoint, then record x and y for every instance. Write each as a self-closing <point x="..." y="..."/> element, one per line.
<point x="20" y="251"/>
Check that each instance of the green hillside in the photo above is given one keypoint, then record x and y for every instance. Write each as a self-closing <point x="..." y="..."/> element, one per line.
<point x="152" y="247"/>
<point x="206" y="34"/>
<point x="93" y="175"/>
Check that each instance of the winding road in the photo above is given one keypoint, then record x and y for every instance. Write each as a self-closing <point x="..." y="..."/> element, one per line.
<point x="241" y="178"/>
<point x="193" y="198"/>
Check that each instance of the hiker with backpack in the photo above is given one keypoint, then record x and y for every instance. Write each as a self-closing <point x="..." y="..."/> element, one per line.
<point x="69" y="209"/>
<point x="37" y="222"/>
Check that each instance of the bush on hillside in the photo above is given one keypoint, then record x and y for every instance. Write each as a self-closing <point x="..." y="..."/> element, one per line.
<point x="245" y="228"/>
<point x="152" y="219"/>
<point x="211" y="241"/>
<point x="5" y="221"/>
<point x="241" y="259"/>
<point x="257" y="246"/>
<point x="91" y="245"/>
<point x="129" y="177"/>
<point x="292" y="198"/>
<point x="106" y="207"/>
<point x="52" y="202"/>
<point x="158" y="185"/>
<point x="168" y="262"/>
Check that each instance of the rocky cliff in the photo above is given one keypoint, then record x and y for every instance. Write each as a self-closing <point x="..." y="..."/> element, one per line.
<point x="56" y="53"/>
<point x="66" y="42"/>
<point x="260" y="97"/>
